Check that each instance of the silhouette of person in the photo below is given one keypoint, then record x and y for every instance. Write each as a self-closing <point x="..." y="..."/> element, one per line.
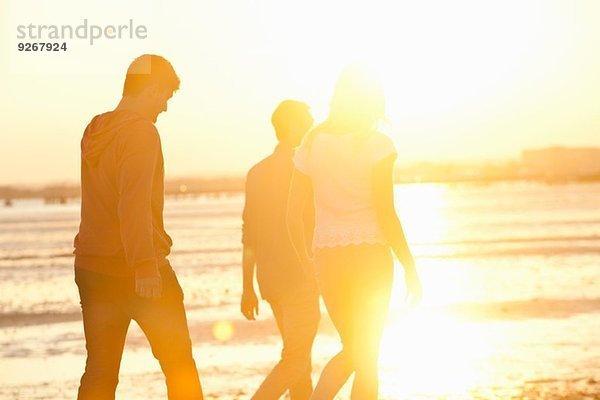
<point x="348" y="164"/>
<point x="291" y="293"/>
<point x="121" y="266"/>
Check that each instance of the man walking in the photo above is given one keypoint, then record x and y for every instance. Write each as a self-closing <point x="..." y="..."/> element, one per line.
<point x="290" y="291"/>
<point x="121" y="266"/>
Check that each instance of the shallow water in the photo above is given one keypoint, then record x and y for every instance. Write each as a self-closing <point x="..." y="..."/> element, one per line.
<point x="511" y="275"/>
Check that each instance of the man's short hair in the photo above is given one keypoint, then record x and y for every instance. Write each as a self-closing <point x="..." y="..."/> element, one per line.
<point x="149" y="69"/>
<point x="288" y="111"/>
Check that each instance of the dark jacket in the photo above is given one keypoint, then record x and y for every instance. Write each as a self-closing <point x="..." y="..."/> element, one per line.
<point x="122" y="196"/>
<point x="278" y="269"/>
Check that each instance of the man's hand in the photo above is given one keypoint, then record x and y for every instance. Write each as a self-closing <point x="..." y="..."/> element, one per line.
<point x="249" y="305"/>
<point x="148" y="287"/>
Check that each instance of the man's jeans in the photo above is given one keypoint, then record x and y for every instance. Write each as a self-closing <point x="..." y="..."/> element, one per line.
<point x="108" y="305"/>
<point x="297" y="315"/>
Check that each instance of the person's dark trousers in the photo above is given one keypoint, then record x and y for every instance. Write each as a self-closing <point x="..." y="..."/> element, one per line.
<point x="108" y="305"/>
<point x="297" y="315"/>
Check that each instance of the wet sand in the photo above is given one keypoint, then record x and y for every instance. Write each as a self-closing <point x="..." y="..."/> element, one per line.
<point x="233" y="368"/>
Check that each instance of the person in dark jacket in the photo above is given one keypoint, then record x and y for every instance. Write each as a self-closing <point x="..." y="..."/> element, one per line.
<point x="290" y="291"/>
<point x="121" y="266"/>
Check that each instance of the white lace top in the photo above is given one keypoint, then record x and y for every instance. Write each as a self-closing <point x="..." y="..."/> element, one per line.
<point x="341" y="168"/>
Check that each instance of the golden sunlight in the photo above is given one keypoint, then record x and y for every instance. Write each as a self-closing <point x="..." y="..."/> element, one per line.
<point x="421" y="208"/>
<point x="424" y="349"/>
<point x="249" y="167"/>
<point x="429" y="352"/>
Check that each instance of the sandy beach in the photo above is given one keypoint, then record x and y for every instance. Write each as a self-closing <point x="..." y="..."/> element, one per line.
<point x="511" y="307"/>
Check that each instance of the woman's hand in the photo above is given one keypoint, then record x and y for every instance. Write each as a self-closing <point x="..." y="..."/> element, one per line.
<point x="414" y="290"/>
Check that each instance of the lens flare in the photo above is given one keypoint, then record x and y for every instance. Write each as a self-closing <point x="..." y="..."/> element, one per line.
<point x="223" y="331"/>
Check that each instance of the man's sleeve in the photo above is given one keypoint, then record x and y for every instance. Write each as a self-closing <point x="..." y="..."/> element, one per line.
<point x="249" y="214"/>
<point x="137" y="164"/>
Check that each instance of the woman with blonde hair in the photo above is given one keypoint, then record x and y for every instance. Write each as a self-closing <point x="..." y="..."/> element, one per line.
<point x="345" y="165"/>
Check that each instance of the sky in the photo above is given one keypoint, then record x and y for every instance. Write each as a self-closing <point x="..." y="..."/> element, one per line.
<point x="464" y="80"/>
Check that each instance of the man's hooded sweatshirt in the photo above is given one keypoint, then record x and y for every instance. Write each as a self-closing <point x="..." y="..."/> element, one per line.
<point x="122" y="197"/>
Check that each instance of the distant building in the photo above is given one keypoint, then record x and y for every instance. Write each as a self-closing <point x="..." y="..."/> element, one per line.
<point x="561" y="162"/>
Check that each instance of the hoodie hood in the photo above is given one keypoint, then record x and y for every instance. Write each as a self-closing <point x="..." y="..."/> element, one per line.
<point x="101" y="131"/>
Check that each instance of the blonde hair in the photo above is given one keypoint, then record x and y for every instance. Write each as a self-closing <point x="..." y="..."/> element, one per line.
<point x="357" y="105"/>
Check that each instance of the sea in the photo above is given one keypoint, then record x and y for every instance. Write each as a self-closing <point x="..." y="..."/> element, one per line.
<point x="511" y="304"/>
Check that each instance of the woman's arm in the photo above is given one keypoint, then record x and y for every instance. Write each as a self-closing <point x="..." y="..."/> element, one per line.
<point x="383" y="189"/>
<point x="386" y="211"/>
<point x="299" y="197"/>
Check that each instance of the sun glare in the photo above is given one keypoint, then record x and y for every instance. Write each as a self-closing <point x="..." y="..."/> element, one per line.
<point x="428" y="352"/>
<point x="421" y="208"/>
<point x="424" y="344"/>
<point x="427" y="53"/>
